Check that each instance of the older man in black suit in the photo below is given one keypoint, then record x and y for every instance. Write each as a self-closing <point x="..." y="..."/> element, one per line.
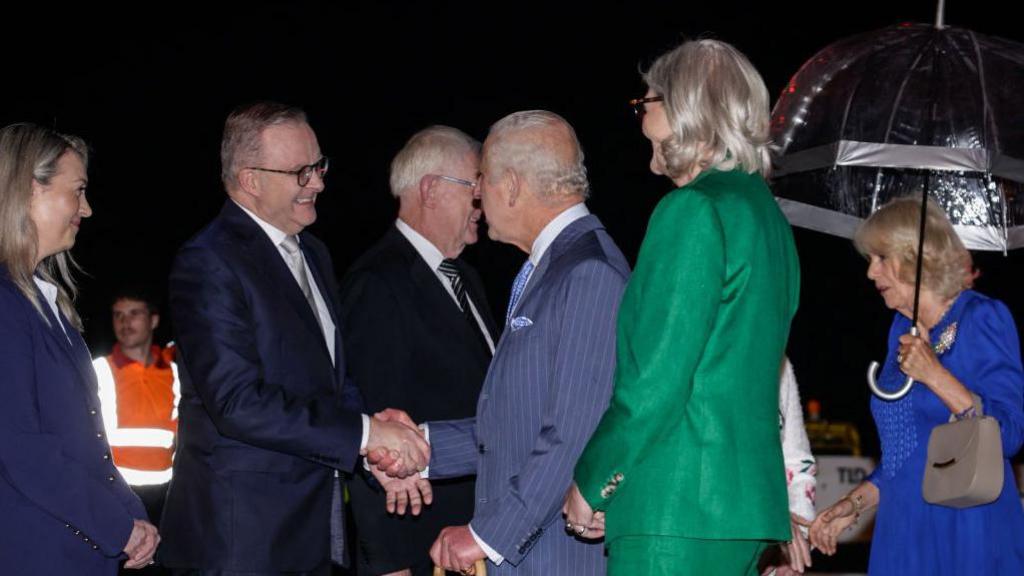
<point x="418" y="333"/>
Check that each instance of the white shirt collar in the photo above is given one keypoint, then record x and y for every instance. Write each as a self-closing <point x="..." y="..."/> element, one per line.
<point x="50" y="292"/>
<point x="430" y="254"/>
<point x="554" y="228"/>
<point x="276" y="236"/>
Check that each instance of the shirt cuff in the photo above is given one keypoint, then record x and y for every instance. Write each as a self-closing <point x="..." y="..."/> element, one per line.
<point x="366" y="433"/>
<point x="425" y="427"/>
<point x="491" y="554"/>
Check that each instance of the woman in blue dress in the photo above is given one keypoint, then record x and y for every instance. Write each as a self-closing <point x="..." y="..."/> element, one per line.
<point x="968" y="348"/>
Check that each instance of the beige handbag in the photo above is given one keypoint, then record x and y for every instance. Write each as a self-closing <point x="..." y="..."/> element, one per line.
<point x="965" y="462"/>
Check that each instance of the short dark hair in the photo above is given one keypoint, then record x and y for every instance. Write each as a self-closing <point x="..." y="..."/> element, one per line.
<point x="139" y="293"/>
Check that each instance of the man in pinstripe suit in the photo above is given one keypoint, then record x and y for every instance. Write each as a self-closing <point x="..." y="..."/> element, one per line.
<point x="551" y="375"/>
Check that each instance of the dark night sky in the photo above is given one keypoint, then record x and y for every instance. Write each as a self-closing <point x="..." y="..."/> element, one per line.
<point x="149" y="84"/>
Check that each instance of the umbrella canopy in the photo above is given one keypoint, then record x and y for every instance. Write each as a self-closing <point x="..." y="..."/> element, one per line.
<point x="898" y="111"/>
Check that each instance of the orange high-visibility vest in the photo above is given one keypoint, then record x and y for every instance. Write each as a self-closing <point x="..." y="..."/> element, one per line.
<point x="140" y="413"/>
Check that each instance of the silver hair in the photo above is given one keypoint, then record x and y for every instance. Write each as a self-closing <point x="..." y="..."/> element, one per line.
<point x="240" y="145"/>
<point x="428" y="152"/>
<point x="552" y="177"/>
<point x="716" y="103"/>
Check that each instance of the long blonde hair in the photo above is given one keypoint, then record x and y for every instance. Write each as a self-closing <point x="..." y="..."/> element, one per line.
<point x="29" y="152"/>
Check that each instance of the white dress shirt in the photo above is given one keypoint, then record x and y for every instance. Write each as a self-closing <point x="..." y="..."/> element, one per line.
<point x="50" y="295"/>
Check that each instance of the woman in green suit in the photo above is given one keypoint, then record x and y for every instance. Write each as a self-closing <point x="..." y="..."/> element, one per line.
<point x="685" y="468"/>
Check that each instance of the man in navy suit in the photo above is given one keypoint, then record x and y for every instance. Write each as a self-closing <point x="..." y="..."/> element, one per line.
<point x="551" y="375"/>
<point x="266" y="419"/>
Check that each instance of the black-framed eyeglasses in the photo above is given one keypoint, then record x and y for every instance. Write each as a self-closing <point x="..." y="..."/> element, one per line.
<point x="304" y="174"/>
<point x="461" y="181"/>
<point x="639" y="105"/>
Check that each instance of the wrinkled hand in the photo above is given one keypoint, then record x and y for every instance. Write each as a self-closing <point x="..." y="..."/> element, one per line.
<point x="455" y="549"/>
<point x="404" y="493"/>
<point x="581" y="520"/>
<point x="827" y="527"/>
<point x="141" y="546"/>
<point x="917" y="359"/>
<point x="395" y="447"/>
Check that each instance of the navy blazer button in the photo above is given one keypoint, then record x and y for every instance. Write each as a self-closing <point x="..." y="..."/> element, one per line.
<point x="110" y="478"/>
<point x="99" y="434"/>
<point x="482" y="448"/>
<point x="95" y="547"/>
<point x="106" y="456"/>
<point x="92" y="412"/>
<point x="85" y="539"/>
<point x="68" y="526"/>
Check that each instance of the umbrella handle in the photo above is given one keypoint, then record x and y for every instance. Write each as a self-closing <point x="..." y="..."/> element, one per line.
<point x="480" y="569"/>
<point x="903" y="391"/>
<point x="897" y="394"/>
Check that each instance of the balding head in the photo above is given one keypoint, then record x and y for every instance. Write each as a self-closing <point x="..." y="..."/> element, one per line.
<point x="543" y="149"/>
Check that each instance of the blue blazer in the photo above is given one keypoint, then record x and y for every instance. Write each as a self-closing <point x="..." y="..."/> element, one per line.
<point x="265" y="418"/>
<point x="64" y="508"/>
<point x="548" y="384"/>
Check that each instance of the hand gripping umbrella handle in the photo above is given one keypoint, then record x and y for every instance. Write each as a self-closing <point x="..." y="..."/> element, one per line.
<point x="480" y="569"/>
<point x="897" y="394"/>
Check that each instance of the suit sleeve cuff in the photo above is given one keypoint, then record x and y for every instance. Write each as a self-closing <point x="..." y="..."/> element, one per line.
<point x="491" y="554"/>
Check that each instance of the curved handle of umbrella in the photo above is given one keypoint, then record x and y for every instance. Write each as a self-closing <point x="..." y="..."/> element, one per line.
<point x="896" y="395"/>
<point x="480" y="569"/>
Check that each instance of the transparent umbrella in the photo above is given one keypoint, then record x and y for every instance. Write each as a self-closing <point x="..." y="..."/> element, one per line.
<point x="909" y="109"/>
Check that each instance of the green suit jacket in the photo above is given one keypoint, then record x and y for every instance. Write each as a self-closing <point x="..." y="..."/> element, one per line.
<point x="689" y="445"/>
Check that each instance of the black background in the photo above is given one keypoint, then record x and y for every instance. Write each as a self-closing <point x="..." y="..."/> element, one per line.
<point x="148" y="85"/>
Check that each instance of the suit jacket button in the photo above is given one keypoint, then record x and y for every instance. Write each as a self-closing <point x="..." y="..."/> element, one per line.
<point x="110" y="478"/>
<point x="95" y="547"/>
<point x="92" y="412"/>
<point x="482" y="448"/>
<point x="106" y="456"/>
<point x="99" y="434"/>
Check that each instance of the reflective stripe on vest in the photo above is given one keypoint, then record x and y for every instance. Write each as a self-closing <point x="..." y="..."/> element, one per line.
<point x="143" y="455"/>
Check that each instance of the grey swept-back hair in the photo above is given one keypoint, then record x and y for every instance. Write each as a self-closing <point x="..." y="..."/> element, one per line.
<point x="552" y="177"/>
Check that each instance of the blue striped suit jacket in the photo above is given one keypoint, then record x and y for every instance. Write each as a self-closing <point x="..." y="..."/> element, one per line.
<point x="547" y="386"/>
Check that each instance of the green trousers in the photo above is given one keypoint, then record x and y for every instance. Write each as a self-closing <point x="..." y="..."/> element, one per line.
<point x="654" y="556"/>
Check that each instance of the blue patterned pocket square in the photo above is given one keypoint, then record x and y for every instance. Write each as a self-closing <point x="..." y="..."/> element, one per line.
<point x="520" y="322"/>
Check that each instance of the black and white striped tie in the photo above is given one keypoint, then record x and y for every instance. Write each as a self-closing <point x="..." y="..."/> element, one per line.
<point x="451" y="272"/>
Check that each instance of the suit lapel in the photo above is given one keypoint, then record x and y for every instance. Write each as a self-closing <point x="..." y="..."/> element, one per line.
<point x="554" y="251"/>
<point x="439" y="309"/>
<point x="266" y="258"/>
<point x="70" y="343"/>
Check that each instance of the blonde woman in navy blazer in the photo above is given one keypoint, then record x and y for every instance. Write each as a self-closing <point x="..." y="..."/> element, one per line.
<point x="64" y="509"/>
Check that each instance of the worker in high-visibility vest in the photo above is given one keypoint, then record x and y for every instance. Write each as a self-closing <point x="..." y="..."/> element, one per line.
<point x="139" y="392"/>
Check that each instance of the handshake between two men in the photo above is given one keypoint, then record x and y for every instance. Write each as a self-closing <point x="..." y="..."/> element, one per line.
<point x="396" y="453"/>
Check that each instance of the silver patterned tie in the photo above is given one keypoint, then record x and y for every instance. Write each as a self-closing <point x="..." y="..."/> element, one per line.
<point x="297" y="264"/>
